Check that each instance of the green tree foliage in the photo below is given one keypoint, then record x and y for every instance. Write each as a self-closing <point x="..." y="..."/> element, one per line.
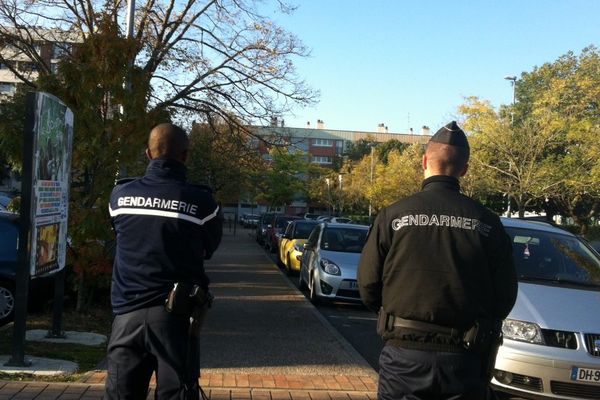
<point x="185" y="59"/>
<point x="381" y="183"/>
<point x="355" y="151"/>
<point x="386" y="147"/>
<point x="544" y="150"/>
<point x="564" y="97"/>
<point x="12" y="123"/>
<point x="506" y="158"/>
<point x="284" y="177"/>
<point x="90" y="82"/>
<point x="221" y="157"/>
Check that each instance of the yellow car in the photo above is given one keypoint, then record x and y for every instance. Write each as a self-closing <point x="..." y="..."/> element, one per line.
<point x="291" y="244"/>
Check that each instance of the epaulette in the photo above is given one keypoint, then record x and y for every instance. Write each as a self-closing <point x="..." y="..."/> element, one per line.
<point x="125" y="180"/>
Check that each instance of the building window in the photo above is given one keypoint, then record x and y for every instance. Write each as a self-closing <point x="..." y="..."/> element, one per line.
<point x="321" y="160"/>
<point x="28" y="67"/>
<point x="60" y="50"/>
<point x="7" y="88"/>
<point x="323" y="142"/>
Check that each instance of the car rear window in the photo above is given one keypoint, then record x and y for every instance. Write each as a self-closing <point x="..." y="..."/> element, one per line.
<point x="347" y="240"/>
<point x="303" y="230"/>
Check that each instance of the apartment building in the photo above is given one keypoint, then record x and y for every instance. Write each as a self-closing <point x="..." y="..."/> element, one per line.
<point x="323" y="145"/>
<point x="20" y="62"/>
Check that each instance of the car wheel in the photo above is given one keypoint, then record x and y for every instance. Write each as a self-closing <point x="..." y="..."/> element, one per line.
<point x="7" y="302"/>
<point x="312" y="290"/>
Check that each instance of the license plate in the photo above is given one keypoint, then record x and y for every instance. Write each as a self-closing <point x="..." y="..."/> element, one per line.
<point x="585" y="375"/>
<point x="353" y="285"/>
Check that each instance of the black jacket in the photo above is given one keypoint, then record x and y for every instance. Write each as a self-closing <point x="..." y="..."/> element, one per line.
<point x="165" y="229"/>
<point x="438" y="257"/>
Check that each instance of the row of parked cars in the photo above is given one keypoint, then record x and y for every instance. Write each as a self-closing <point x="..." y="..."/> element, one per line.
<point x="323" y="251"/>
<point x="551" y="345"/>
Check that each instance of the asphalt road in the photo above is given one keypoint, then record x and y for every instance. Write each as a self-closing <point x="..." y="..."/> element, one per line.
<point x="357" y="325"/>
<point x="353" y="321"/>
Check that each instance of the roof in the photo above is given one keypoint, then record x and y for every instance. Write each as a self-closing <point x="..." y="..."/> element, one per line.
<point x="344" y="225"/>
<point x="310" y="133"/>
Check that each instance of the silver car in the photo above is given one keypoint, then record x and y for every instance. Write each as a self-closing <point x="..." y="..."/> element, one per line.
<point x="551" y="343"/>
<point x="330" y="261"/>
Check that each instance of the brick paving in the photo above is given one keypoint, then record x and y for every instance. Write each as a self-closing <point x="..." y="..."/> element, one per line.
<point x="297" y="366"/>
<point x="217" y="386"/>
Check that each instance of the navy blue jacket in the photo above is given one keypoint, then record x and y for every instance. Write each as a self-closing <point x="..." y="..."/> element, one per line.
<point x="165" y="230"/>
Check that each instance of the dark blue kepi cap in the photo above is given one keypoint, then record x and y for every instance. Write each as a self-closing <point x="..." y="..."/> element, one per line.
<point x="451" y="134"/>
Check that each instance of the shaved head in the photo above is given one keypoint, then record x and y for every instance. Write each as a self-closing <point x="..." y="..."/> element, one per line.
<point x="167" y="141"/>
<point x="446" y="159"/>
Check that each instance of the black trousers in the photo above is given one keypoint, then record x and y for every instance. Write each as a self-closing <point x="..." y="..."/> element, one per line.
<point x="148" y="340"/>
<point x="406" y="374"/>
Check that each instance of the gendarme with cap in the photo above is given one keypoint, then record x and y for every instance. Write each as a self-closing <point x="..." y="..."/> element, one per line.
<point x="451" y="134"/>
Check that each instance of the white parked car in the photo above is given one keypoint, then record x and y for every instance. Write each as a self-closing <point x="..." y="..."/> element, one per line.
<point x="551" y="345"/>
<point x="330" y="261"/>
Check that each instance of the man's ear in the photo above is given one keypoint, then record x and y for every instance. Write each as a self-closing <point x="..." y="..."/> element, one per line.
<point x="148" y="154"/>
<point x="424" y="162"/>
<point x="465" y="169"/>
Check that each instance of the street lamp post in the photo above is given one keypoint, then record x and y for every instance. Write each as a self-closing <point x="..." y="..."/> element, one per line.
<point x="328" y="182"/>
<point x="371" y="182"/>
<point x="513" y="80"/>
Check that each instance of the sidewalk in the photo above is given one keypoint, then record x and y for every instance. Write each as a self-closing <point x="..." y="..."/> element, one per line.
<point x="262" y="341"/>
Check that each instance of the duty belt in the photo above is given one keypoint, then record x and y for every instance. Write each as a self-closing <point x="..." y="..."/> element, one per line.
<point x="427" y="327"/>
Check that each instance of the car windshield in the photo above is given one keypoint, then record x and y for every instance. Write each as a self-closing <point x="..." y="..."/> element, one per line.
<point x="546" y="256"/>
<point x="348" y="240"/>
<point x="303" y="231"/>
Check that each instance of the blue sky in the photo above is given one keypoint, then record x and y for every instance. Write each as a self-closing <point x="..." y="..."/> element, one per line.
<point x="411" y="63"/>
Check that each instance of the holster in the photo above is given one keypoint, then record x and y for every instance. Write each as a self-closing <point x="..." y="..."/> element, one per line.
<point x="186" y="297"/>
<point x="385" y="322"/>
<point x="483" y="335"/>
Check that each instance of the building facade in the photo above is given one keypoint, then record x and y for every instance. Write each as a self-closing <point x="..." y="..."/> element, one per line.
<point x="321" y="146"/>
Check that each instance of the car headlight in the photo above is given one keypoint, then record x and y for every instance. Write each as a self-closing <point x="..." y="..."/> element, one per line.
<point x="299" y="248"/>
<point x="522" y="331"/>
<point x="330" y="267"/>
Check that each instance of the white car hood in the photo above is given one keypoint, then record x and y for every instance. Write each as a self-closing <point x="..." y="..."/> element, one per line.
<point x="558" y="307"/>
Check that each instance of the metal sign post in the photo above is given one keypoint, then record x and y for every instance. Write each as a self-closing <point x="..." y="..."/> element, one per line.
<point x="22" y="275"/>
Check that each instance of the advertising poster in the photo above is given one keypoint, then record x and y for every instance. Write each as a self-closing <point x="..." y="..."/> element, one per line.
<point x="52" y="144"/>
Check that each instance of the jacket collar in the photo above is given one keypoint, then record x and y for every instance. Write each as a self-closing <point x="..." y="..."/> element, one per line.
<point x="441" y="182"/>
<point x="167" y="168"/>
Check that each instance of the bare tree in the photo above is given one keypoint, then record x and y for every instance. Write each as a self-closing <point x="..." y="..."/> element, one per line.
<point x="196" y="57"/>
